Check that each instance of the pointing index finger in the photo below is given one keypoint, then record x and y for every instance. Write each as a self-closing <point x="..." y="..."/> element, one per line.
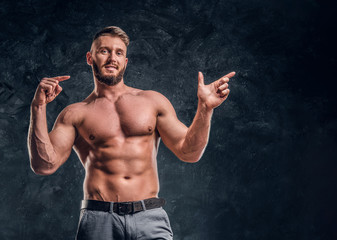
<point x="61" y="78"/>
<point x="229" y="75"/>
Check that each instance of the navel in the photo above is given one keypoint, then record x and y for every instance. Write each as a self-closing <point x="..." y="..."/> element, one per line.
<point x="127" y="177"/>
<point x="92" y="137"/>
<point x="150" y="129"/>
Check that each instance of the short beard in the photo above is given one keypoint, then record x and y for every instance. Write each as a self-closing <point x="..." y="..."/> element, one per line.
<point x="108" y="80"/>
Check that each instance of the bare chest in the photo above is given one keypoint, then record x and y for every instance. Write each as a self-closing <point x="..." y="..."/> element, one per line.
<point x="126" y="117"/>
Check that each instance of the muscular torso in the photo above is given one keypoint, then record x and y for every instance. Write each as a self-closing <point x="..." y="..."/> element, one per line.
<point x="117" y="144"/>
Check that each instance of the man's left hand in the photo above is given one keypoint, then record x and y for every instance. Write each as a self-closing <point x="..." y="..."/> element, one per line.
<point x="212" y="95"/>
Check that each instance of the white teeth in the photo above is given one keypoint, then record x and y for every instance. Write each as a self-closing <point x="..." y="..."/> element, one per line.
<point x="111" y="67"/>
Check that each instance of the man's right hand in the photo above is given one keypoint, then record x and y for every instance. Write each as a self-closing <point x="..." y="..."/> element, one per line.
<point x="48" y="89"/>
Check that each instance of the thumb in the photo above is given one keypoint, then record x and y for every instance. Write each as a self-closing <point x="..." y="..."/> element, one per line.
<point x="201" y="79"/>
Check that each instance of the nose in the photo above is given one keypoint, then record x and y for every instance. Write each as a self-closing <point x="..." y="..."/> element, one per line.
<point x="112" y="57"/>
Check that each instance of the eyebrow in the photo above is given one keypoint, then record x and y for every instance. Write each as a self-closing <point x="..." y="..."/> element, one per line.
<point x="117" y="49"/>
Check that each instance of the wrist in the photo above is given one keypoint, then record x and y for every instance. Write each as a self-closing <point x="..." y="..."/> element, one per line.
<point x="37" y="105"/>
<point x="202" y="106"/>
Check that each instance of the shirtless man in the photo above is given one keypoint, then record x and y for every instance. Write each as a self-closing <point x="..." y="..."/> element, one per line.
<point x="115" y="132"/>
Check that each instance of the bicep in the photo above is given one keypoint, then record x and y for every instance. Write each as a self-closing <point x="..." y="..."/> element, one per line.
<point x="171" y="130"/>
<point x="63" y="136"/>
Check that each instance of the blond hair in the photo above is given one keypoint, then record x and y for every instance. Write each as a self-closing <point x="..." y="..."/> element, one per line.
<point x="113" y="31"/>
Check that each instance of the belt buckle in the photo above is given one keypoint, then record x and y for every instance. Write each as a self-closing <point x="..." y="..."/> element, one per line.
<point x="124" y="208"/>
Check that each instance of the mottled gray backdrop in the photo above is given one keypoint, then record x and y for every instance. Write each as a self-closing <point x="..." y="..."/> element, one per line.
<point x="269" y="171"/>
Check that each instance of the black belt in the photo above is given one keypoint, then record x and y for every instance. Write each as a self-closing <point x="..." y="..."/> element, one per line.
<point x="123" y="208"/>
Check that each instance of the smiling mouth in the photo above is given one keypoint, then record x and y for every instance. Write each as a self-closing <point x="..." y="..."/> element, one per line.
<point x="111" y="67"/>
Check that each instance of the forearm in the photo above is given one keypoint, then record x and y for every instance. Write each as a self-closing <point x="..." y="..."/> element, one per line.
<point x="197" y="135"/>
<point x="41" y="151"/>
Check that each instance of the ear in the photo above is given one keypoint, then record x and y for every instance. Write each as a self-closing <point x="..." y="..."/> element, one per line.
<point x="89" y="58"/>
<point x="126" y="61"/>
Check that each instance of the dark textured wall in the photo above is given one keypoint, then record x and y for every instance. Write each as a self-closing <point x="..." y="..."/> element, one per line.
<point x="269" y="171"/>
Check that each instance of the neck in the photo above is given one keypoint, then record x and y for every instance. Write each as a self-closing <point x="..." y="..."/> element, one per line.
<point x="102" y="90"/>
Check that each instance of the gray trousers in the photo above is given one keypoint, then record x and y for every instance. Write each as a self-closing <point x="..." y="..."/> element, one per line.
<point x="147" y="225"/>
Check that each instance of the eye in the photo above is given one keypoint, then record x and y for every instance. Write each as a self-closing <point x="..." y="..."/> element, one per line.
<point x="104" y="51"/>
<point x="119" y="53"/>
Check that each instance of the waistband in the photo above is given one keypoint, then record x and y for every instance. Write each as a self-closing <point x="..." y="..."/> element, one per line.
<point x="123" y="208"/>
